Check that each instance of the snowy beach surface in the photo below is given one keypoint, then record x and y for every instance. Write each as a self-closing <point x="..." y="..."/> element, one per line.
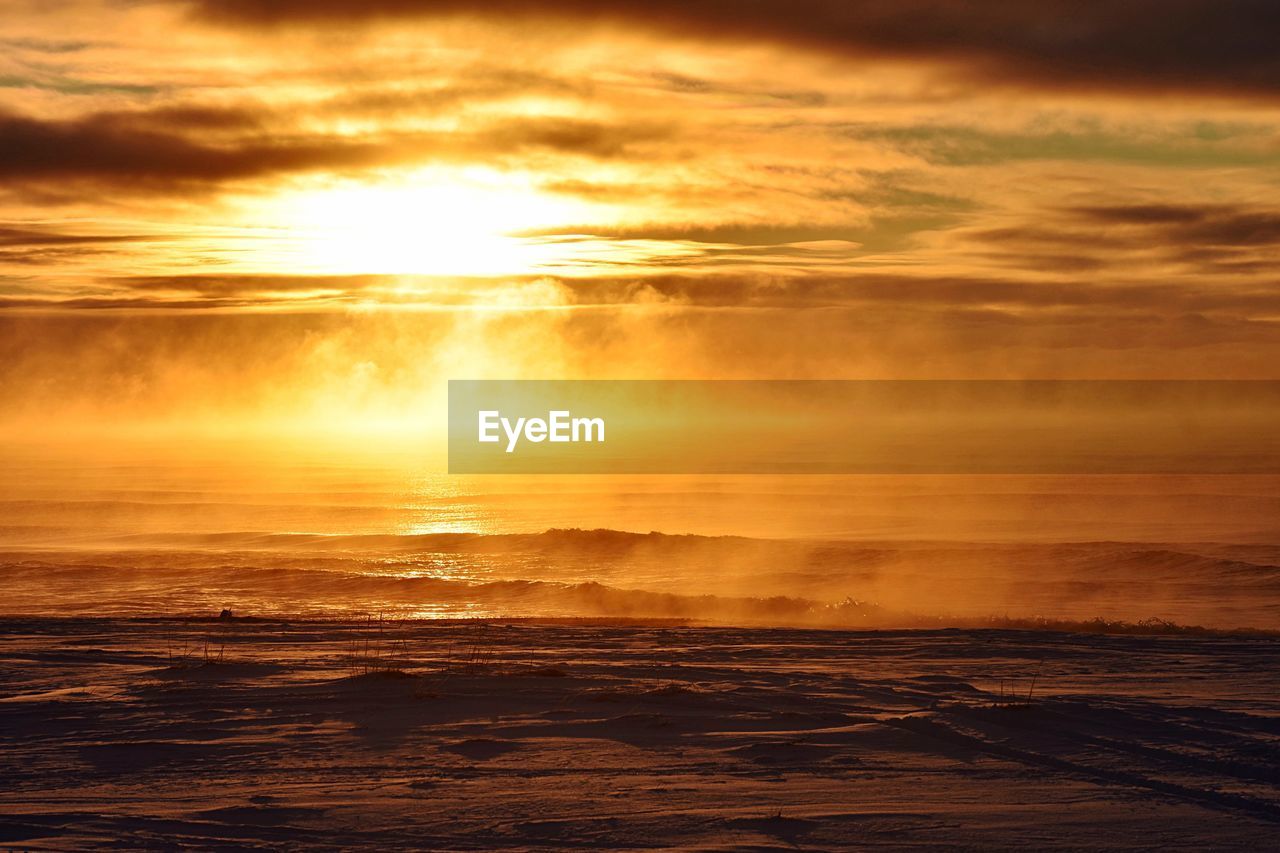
<point x="473" y="734"/>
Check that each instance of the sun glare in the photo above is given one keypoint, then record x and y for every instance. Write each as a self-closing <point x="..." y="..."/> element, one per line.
<point x="428" y="225"/>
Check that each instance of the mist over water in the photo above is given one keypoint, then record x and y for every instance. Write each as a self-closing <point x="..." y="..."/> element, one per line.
<point x="291" y="464"/>
<point x="318" y="532"/>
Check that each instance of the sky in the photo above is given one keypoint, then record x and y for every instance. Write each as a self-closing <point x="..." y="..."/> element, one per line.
<point x="220" y="212"/>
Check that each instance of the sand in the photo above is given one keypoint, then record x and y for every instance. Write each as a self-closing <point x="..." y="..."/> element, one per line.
<point x="173" y="733"/>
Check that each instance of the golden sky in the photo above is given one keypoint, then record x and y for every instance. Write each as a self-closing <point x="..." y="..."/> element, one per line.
<point x="246" y="206"/>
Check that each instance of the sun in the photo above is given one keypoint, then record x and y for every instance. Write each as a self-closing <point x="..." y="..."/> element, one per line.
<point x="461" y="223"/>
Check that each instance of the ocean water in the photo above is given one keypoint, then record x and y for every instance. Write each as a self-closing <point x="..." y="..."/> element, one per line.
<point x="161" y="531"/>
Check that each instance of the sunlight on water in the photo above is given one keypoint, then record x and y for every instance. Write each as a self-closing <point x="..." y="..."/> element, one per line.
<point x="349" y="534"/>
<point x="437" y="503"/>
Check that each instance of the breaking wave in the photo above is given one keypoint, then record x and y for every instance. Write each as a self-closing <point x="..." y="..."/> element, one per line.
<point x="618" y="574"/>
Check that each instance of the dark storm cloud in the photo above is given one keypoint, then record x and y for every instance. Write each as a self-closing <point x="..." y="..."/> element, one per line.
<point x="154" y="150"/>
<point x="1212" y="238"/>
<point x="1143" y="214"/>
<point x="589" y="138"/>
<point x="1209" y="225"/>
<point x="1226" y="46"/>
<point x="104" y="147"/>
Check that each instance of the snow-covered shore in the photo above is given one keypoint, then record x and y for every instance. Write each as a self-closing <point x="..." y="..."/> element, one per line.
<point x="547" y="735"/>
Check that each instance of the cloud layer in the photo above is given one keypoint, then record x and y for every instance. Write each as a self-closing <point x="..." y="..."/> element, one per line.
<point x="229" y="198"/>
<point x="1157" y="44"/>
